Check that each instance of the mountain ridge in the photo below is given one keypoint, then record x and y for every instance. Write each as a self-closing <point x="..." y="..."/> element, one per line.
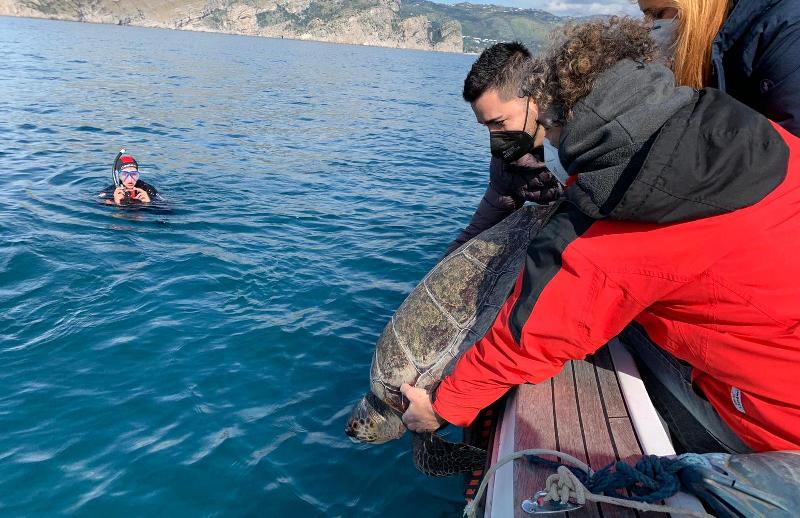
<point x="411" y="24"/>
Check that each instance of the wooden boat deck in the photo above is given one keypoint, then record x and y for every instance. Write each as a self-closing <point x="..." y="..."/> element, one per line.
<point x="582" y="412"/>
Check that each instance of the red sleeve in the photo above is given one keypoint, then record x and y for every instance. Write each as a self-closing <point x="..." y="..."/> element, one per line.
<point x="570" y="314"/>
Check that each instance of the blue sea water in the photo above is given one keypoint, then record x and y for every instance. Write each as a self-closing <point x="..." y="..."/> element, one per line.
<point x="202" y="360"/>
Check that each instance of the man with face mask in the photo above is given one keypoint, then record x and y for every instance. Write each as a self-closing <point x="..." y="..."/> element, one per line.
<point x="517" y="171"/>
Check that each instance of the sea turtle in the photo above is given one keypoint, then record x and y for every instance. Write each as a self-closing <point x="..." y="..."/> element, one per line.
<point x="453" y="306"/>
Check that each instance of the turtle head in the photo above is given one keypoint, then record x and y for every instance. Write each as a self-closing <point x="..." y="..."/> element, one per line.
<point x="373" y="421"/>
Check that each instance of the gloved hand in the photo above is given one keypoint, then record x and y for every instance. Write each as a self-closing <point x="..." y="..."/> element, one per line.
<point x="534" y="185"/>
<point x="510" y="186"/>
<point x="527" y="180"/>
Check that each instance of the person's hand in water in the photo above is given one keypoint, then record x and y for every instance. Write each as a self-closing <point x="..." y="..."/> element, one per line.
<point x="419" y="417"/>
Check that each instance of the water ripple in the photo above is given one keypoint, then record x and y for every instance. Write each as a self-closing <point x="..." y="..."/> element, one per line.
<point x="199" y="357"/>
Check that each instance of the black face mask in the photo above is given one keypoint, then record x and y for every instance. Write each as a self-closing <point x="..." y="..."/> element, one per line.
<point x="510" y="146"/>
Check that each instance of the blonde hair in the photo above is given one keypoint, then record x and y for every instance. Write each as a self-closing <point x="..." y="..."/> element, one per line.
<point x="699" y="22"/>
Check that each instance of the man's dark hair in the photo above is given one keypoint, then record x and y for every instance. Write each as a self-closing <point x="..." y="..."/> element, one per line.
<point x="502" y="67"/>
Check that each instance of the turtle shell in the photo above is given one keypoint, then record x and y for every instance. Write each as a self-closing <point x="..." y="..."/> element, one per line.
<point x="453" y="307"/>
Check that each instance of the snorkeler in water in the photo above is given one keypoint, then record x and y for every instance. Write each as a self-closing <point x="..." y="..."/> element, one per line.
<point x="128" y="189"/>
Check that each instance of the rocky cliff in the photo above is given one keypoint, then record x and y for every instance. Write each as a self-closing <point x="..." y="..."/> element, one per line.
<point x="483" y="25"/>
<point x="360" y="22"/>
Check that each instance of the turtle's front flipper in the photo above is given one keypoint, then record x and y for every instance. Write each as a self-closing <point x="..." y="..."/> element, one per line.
<point x="436" y="457"/>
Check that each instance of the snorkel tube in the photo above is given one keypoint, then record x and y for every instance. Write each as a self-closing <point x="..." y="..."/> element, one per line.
<point x="114" y="175"/>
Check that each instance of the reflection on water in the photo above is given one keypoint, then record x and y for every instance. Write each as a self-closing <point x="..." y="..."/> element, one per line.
<point x="201" y="358"/>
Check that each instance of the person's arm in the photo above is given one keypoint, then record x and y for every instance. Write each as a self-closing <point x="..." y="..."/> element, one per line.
<point x="778" y="71"/>
<point x="147" y="193"/>
<point x="572" y="297"/>
<point x="107" y="195"/>
<point x="495" y="206"/>
<point x="509" y="188"/>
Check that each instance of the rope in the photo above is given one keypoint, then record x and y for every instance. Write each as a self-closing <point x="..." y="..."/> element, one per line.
<point x="566" y="484"/>
<point x="652" y="479"/>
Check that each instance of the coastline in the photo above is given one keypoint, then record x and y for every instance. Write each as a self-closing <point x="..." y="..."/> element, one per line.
<point x="156" y="25"/>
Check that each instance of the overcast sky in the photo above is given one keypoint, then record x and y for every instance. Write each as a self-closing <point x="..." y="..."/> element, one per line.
<point x="566" y="7"/>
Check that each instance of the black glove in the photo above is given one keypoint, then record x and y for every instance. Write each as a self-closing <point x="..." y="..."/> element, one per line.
<point x="529" y="182"/>
<point x="538" y="186"/>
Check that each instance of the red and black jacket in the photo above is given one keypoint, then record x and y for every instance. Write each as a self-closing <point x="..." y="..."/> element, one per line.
<point x="685" y="218"/>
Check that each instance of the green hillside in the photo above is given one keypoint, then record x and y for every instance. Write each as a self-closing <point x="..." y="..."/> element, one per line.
<point x="484" y="25"/>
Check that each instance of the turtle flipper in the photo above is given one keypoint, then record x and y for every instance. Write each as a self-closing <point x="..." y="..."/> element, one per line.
<point x="438" y="458"/>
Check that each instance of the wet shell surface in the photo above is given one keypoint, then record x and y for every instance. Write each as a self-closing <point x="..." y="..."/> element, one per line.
<point x="453" y="306"/>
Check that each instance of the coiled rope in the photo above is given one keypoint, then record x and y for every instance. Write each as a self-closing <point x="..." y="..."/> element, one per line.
<point x="652" y="479"/>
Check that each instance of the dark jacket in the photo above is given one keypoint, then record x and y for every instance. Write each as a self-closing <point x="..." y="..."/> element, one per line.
<point x="509" y="188"/>
<point x="756" y="58"/>
<point x="684" y="218"/>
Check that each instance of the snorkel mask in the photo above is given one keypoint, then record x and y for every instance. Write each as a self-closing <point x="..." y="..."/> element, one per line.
<point x="124" y="165"/>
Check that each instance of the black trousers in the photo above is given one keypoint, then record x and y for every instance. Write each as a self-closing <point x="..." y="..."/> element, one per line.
<point x="693" y="423"/>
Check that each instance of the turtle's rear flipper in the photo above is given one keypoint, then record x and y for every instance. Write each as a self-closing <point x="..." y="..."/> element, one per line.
<point x="438" y="458"/>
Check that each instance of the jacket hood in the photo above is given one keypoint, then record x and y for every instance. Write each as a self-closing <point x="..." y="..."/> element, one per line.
<point x="645" y="150"/>
<point x="742" y="16"/>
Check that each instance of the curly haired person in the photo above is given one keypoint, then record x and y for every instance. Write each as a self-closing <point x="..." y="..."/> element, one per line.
<point x="679" y="226"/>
